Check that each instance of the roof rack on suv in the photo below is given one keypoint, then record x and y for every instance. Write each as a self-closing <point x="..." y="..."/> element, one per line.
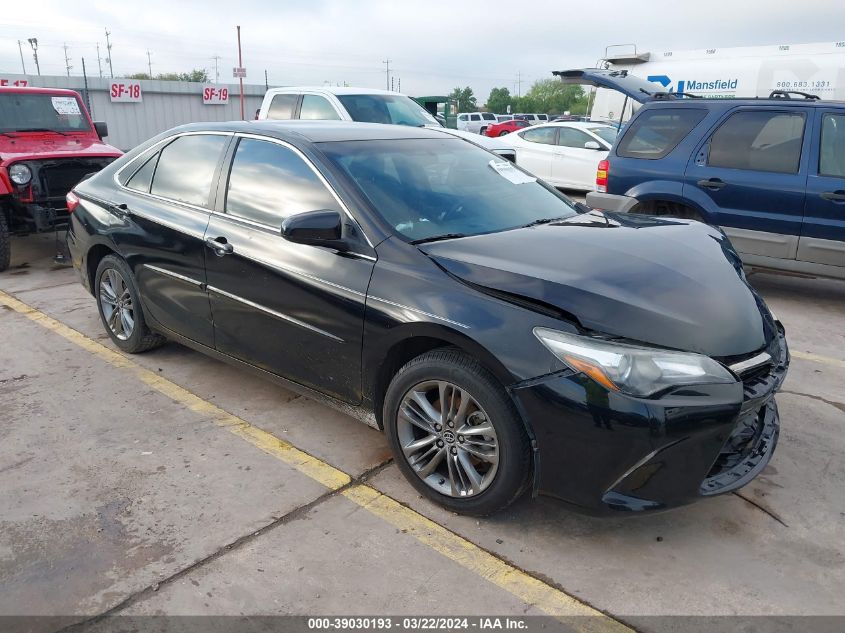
<point x="787" y="94"/>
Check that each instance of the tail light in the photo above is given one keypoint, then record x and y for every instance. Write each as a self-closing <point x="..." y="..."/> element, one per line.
<point x="72" y="201"/>
<point x="601" y="176"/>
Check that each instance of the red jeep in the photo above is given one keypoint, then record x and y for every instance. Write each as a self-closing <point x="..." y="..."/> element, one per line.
<point x="48" y="143"/>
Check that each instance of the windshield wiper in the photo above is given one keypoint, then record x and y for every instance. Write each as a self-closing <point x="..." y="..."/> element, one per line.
<point x="42" y="129"/>
<point x="541" y="221"/>
<point x="437" y="238"/>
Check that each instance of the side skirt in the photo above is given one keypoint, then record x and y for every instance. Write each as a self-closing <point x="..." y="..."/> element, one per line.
<point x="359" y="412"/>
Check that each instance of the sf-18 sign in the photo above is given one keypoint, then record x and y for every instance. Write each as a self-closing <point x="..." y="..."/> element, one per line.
<point x="125" y="92"/>
<point x="215" y="95"/>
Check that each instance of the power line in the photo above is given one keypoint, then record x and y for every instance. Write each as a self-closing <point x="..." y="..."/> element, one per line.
<point x="108" y="51"/>
<point x="216" y="59"/>
<point x="386" y="62"/>
<point x="67" y="61"/>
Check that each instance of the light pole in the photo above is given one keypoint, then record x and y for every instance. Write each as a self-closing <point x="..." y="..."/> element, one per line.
<point x="33" y="41"/>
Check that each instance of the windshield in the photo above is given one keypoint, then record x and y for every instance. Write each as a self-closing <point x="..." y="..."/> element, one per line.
<point x="32" y="111"/>
<point x="396" y="109"/>
<point x="605" y="133"/>
<point x="426" y="188"/>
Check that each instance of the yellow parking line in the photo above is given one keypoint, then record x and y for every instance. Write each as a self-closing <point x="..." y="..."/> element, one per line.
<point x="817" y="358"/>
<point x="531" y="590"/>
<point x="327" y="475"/>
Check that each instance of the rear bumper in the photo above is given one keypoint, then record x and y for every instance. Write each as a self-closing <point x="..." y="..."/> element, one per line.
<point x="610" y="202"/>
<point x="609" y="452"/>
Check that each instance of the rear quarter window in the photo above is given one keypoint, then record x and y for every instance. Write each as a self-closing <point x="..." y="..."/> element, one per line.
<point x="655" y="133"/>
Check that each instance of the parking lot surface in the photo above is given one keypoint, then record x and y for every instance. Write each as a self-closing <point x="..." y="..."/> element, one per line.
<point x="169" y="483"/>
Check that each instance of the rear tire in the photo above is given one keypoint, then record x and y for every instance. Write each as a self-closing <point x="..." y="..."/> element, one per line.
<point x="483" y="131"/>
<point x="503" y="133"/>
<point x="119" y="304"/>
<point x="478" y="446"/>
<point x="5" y="243"/>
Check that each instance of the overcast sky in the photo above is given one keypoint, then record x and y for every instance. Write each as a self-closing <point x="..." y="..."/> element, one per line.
<point x="433" y="46"/>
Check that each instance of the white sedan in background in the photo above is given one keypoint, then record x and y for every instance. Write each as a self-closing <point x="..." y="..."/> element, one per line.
<point x="563" y="154"/>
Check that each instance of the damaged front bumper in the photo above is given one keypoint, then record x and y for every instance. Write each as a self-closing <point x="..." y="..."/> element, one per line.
<point x="623" y="453"/>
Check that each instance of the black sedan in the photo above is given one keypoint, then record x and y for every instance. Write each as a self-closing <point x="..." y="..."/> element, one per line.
<point x="505" y="338"/>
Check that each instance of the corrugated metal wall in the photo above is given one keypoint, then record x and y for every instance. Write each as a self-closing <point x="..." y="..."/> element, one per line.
<point x="165" y="104"/>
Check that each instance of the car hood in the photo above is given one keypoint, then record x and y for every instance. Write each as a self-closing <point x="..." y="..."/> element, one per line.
<point x="37" y="145"/>
<point x="666" y="282"/>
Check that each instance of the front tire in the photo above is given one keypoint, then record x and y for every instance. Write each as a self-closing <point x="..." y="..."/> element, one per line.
<point x="455" y="433"/>
<point x="120" y="308"/>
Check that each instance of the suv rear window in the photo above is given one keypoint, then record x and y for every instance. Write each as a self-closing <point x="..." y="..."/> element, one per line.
<point x="655" y="133"/>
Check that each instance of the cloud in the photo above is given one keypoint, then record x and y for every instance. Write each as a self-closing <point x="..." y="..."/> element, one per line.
<point x="433" y="45"/>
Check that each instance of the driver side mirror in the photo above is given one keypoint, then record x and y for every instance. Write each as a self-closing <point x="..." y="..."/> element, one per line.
<point x="317" y="228"/>
<point x="592" y="145"/>
<point x="101" y="129"/>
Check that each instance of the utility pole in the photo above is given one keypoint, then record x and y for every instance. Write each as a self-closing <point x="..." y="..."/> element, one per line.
<point x="99" y="65"/>
<point x="33" y="42"/>
<point x="149" y="64"/>
<point x="266" y="85"/>
<point x="399" y="86"/>
<point x="241" y="79"/>
<point x="386" y="62"/>
<point x="519" y="84"/>
<point x="108" y="51"/>
<point x="216" y="60"/>
<point x="67" y="61"/>
<point x="20" y="50"/>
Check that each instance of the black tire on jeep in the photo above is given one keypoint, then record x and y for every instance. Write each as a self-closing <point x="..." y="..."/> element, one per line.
<point x="5" y="242"/>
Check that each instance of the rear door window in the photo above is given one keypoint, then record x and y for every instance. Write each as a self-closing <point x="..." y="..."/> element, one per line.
<point x="186" y="168"/>
<point x="488" y="116"/>
<point x="474" y="117"/>
<point x="315" y="107"/>
<point x="759" y="140"/>
<point x="544" y="135"/>
<point x="655" y="133"/>
<point x="832" y="155"/>
<point x="282" y="106"/>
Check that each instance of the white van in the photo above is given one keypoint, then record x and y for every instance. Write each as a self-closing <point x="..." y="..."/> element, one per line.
<point x="476" y="121"/>
<point x="367" y="105"/>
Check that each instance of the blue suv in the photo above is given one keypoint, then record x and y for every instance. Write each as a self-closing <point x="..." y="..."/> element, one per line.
<point x="769" y="171"/>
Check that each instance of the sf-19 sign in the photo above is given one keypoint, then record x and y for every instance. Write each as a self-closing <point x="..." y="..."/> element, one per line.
<point x="125" y="92"/>
<point x="215" y="95"/>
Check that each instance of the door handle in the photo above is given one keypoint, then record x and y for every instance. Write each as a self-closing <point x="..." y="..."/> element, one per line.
<point x="835" y="196"/>
<point x="220" y="246"/>
<point x="713" y="183"/>
<point x="120" y="210"/>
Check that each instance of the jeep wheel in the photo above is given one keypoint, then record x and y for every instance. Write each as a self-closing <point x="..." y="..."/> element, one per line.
<point x="5" y="243"/>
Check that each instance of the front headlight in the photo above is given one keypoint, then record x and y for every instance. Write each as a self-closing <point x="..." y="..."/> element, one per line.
<point x="638" y="371"/>
<point x="20" y="174"/>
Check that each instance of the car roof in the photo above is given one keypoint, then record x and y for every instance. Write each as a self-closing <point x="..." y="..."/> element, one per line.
<point x="335" y="90"/>
<point x="314" y="131"/>
<point x="577" y="124"/>
<point x="38" y="90"/>
<point x="710" y="102"/>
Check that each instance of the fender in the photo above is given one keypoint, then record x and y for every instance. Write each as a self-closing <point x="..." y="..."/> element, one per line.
<point x="5" y="184"/>
<point x="670" y="191"/>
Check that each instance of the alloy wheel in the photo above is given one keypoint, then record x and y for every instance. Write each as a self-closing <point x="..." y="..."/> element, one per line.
<point x="447" y="438"/>
<point x="116" y="303"/>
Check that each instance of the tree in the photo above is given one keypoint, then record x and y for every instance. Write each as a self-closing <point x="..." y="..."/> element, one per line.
<point x="553" y="96"/>
<point x="499" y="100"/>
<point x="197" y="74"/>
<point x="465" y="98"/>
